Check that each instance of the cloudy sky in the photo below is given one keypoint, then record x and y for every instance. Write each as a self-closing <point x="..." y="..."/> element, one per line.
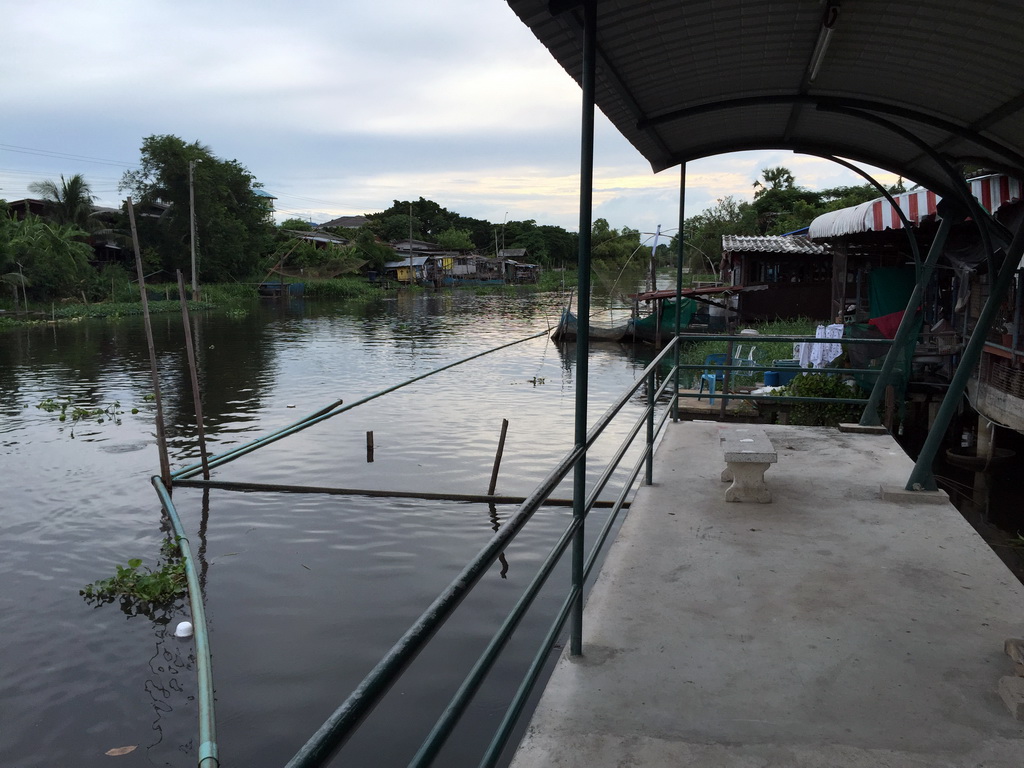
<point x="336" y="107"/>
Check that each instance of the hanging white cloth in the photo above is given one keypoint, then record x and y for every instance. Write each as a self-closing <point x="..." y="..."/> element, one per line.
<point x="802" y="352"/>
<point x="815" y="355"/>
<point x="820" y="355"/>
<point x="831" y="351"/>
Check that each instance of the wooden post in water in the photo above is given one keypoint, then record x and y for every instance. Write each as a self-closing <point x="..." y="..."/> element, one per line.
<point x="190" y="352"/>
<point x="369" y="447"/>
<point x="161" y="437"/>
<point x="497" y="458"/>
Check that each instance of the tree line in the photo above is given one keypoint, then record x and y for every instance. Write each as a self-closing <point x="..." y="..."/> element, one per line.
<point x="52" y="256"/>
<point x="780" y="206"/>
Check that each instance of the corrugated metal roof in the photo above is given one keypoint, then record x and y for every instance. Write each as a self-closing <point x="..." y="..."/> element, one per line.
<point x="774" y="244"/>
<point x="685" y="80"/>
<point x="417" y="261"/>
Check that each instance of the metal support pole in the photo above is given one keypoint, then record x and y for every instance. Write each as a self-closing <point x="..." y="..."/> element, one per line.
<point x="679" y="284"/>
<point x="922" y="478"/>
<point x="583" y="315"/>
<point x="870" y="415"/>
<point x="652" y="387"/>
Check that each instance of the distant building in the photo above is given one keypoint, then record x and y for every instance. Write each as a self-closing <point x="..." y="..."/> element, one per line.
<point x="348" y="222"/>
<point x="22" y="208"/>
<point x="516" y="268"/>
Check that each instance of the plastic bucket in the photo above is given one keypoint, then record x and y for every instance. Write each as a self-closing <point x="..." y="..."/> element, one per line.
<point x="771" y="378"/>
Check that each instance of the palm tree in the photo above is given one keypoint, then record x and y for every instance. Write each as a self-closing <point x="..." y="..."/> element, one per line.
<point x="67" y="203"/>
<point x="774" y="178"/>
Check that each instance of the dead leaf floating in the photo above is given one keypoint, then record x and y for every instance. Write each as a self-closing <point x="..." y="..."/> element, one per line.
<point x="122" y="750"/>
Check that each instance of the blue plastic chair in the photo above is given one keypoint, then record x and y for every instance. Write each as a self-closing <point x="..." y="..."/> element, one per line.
<point x="711" y="375"/>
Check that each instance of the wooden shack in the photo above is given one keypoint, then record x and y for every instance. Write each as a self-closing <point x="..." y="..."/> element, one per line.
<point x="795" y="271"/>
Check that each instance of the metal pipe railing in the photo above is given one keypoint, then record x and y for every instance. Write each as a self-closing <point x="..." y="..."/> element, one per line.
<point x="446" y="723"/>
<point x="207" y="727"/>
<point x="449" y="718"/>
<point x="771" y="338"/>
<point x="341" y="724"/>
<point x="529" y="681"/>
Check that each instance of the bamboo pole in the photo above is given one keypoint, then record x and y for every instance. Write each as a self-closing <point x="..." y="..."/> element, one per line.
<point x="161" y="436"/>
<point x="190" y="351"/>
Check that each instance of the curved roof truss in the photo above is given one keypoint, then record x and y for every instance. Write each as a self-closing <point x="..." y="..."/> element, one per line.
<point x="921" y="87"/>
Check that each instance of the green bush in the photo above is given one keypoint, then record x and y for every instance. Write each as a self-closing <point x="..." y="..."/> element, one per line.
<point x="351" y="287"/>
<point x="117" y="285"/>
<point x="826" y="385"/>
<point x="555" y="280"/>
<point x="228" y="294"/>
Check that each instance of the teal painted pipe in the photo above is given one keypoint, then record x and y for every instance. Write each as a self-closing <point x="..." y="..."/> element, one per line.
<point x="679" y="278"/>
<point x="764" y="337"/>
<point x="207" y="727"/>
<point x="588" y="80"/>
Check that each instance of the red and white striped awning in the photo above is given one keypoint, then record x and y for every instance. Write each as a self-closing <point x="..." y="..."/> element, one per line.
<point x="992" y="192"/>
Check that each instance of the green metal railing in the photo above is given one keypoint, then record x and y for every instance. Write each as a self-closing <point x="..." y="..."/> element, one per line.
<point x="337" y="729"/>
<point x="725" y="396"/>
<point x="646" y="429"/>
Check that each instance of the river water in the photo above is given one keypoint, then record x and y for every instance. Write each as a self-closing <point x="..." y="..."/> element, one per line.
<point x="303" y="593"/>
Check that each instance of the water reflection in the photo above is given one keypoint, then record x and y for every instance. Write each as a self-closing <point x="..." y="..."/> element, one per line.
<point x="340" y="577"/>
<point x="495" y="525"/>
<point x="171" y="676"/>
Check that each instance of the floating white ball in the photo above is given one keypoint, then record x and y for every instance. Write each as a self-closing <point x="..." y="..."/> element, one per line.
<point x="184" y="629"/>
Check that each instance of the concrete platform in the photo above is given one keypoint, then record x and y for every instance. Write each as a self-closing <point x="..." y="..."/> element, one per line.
<point x="828" y="628"/>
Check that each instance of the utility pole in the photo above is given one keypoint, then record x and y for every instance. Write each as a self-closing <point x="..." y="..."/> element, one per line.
<point x="192" y="223"/>
<point x="501" y="255"/>
<point x="654" y="256"/>
<point x="412" y="272"/>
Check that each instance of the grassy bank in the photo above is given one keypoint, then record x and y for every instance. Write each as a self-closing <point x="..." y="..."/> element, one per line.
<point x="124" y="300"/>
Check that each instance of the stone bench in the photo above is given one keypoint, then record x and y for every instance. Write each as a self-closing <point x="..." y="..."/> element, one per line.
<point x="748" y="453"/>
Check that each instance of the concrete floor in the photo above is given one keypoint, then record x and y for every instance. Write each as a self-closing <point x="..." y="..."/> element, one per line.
<point x="828" y="628"/>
